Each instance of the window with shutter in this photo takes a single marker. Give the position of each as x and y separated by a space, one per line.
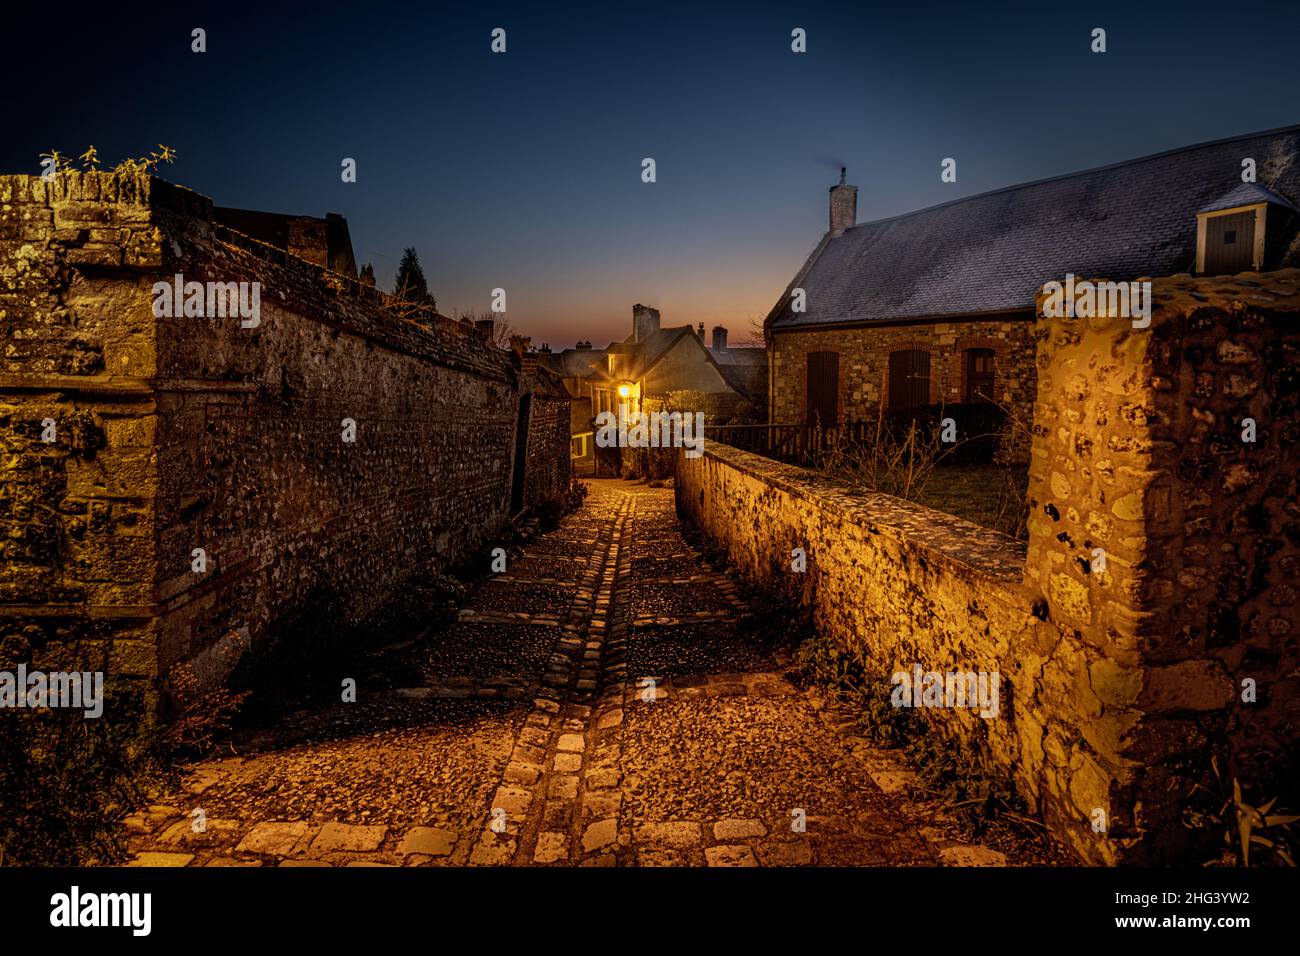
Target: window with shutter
979 375
824 388
909 379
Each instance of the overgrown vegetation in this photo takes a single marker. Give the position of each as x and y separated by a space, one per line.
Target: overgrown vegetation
657 464
964 779
1246 833
973 476
57 162
66 780
551 510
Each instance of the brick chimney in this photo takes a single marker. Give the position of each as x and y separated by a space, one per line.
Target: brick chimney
719 338
645 322
700 332
844 205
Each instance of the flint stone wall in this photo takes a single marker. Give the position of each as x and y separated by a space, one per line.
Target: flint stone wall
1117 685
184 433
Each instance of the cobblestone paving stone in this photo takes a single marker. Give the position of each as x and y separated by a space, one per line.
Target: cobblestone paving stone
597 704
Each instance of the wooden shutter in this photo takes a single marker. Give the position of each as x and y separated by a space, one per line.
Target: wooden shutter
1230 243
979 375
909 379
824 388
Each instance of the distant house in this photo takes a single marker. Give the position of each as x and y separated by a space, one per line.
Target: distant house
325 242
937 306
652 363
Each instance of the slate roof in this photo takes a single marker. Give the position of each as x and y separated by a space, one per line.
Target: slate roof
990 253
740 355
572 363
651 348
1247 194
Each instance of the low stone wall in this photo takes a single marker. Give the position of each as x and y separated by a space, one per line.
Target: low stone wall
1159 573
319 458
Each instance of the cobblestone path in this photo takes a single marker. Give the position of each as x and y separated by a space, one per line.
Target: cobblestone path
595 705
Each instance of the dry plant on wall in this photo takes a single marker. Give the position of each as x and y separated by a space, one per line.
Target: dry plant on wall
1015 436
502 330
60 163
403 306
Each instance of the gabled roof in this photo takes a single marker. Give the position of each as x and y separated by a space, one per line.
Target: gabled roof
990 253
747 380
1247 194
572 363
742 355
648 352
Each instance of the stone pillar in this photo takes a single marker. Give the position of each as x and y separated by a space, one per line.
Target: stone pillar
1167 546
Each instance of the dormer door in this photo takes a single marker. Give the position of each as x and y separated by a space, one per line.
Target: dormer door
1230 243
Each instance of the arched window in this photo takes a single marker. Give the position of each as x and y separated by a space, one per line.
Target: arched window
909 379
979 375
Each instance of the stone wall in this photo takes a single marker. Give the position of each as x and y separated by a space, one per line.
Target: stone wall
175 434
864 364
1119 680
1139 451
548 468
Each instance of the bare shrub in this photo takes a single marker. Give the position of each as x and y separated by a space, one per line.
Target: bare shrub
881 460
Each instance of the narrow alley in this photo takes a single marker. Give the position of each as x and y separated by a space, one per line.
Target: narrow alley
599 703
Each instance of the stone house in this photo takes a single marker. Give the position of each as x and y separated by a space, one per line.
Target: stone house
936 307
650 365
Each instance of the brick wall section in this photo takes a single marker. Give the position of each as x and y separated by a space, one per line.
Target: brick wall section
864 364
1117 686
189 432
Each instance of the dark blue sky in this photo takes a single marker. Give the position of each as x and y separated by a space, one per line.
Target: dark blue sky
522 170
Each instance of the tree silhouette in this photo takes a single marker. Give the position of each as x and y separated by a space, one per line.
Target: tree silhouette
409 284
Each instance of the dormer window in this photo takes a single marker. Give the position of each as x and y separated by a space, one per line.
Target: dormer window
1230 233
1228 243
